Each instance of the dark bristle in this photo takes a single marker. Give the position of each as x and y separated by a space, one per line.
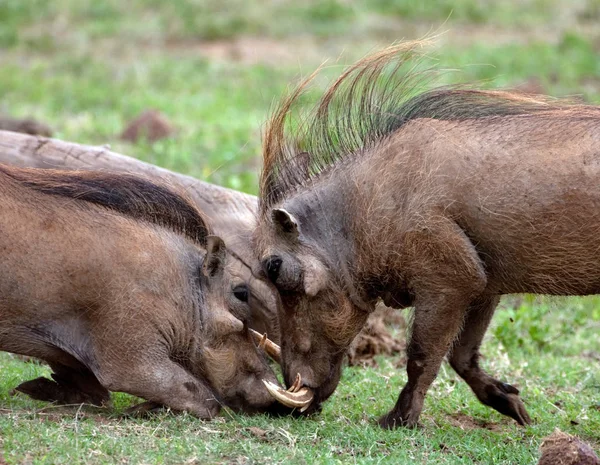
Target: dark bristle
127 194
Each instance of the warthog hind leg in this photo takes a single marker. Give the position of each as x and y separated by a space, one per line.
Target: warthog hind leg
68 386
465 361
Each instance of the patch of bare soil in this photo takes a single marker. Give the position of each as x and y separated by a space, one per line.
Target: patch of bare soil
373 32
56 413
467 423
252 50
563 449
150 125
376 338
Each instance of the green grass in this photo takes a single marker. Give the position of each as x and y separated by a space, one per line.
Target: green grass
86 68
559 380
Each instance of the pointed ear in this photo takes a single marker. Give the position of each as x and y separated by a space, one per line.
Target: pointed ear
315 277
214 262
284 221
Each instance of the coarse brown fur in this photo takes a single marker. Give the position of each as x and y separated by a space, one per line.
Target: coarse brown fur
115 282
442 199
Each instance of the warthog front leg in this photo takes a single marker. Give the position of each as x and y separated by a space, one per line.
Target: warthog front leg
164 382
445 275
465 361
436 325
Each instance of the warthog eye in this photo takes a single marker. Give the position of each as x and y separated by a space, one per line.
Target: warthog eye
241 292
272 266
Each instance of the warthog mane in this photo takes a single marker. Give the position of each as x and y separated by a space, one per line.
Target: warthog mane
127 194
369 101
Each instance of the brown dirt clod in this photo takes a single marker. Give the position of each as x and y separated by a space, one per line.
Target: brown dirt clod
150 125
467 423
257 432
25 126
563 449
376 338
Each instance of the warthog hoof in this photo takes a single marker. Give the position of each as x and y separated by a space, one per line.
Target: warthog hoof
393 420
505 399
50 391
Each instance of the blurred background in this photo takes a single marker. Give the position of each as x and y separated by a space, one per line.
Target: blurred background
210 70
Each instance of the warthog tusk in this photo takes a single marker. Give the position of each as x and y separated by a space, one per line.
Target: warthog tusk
300 398
264 343
297 384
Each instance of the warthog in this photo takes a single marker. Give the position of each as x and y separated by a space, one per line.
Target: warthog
116 282
231 214
443 200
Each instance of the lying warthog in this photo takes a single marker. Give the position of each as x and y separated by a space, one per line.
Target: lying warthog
117 284
443 200
231 214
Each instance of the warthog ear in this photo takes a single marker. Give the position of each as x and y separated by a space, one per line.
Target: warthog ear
214 263
315 276
284 221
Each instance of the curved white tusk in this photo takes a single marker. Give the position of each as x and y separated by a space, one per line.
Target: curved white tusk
297 384
300 399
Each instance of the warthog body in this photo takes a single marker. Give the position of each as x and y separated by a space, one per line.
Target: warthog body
444 201
231 214
115 282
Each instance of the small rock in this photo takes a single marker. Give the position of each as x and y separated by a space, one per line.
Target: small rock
258 432
563 449
150 125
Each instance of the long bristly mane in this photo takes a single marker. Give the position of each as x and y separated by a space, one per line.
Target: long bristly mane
370 100
130 195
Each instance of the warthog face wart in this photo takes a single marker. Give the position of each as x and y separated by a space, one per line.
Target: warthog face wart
229 358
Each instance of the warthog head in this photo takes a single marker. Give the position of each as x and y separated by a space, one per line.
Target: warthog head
318 320
229 357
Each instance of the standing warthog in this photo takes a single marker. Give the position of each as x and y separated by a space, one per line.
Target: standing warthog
117 284
443 200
